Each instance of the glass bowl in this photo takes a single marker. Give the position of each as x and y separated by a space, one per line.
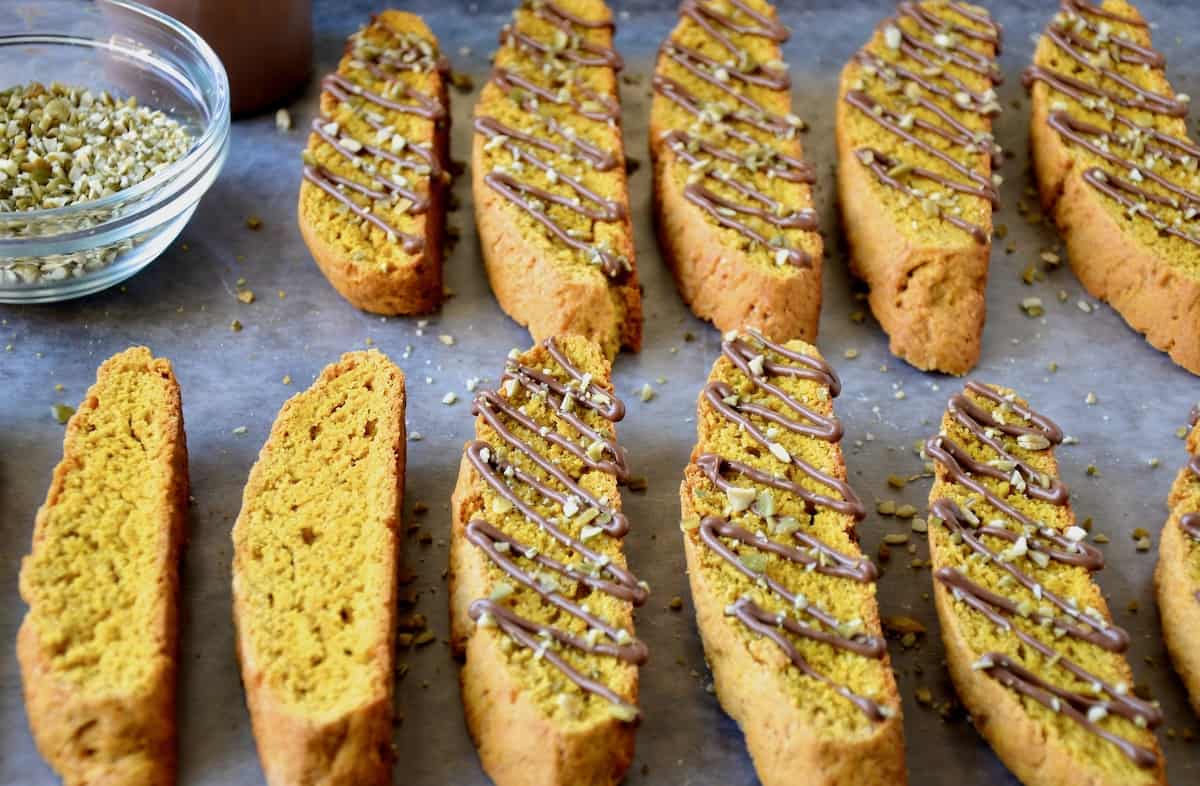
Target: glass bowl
128 50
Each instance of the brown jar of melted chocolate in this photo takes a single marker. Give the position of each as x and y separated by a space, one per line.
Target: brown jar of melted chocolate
266 45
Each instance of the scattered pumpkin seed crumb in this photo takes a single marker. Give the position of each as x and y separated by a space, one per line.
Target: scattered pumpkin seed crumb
61 412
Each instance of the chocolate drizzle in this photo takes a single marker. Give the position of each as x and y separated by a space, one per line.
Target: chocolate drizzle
1038 543
541 573
550 81
932 44
1082 34
395 189
761 360
713 149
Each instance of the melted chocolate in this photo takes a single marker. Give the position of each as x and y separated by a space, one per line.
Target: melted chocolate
563 141
1083 41
883 168
575 48
702 154
1054 612
367 157
594 570
1073 704
746 353
933 43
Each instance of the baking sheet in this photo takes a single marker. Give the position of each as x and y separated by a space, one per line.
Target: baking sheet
182 307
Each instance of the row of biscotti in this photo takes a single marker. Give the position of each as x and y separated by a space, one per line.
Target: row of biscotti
542 600
733 195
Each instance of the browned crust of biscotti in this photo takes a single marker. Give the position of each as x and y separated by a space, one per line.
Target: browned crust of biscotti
785 749
353 749
116 740
1178 604
1152 296
416 286
720 283
517 744
548 298
929 300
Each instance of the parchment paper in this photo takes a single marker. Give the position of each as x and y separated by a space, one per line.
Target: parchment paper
182 307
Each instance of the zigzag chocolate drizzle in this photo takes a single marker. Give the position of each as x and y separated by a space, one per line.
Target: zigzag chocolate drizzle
414 55
751 354
594 570
552 84
931 47
706 147
1082 33
1040 544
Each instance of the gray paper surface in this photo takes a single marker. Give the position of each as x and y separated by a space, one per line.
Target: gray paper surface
183 304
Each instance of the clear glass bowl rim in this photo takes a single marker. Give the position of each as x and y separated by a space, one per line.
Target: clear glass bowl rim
215 132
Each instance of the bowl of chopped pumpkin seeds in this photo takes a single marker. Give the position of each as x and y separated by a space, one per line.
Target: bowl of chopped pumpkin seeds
114 122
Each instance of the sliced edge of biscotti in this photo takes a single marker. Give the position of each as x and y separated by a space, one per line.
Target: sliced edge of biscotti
372 205
733 200
549 181
316 547
541 599
1177 576
915 179
1030 643
785 599
1120 180
98 655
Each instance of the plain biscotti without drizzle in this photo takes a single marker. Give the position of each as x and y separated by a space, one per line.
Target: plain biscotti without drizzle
1177 577
548 175
541 603
1117 171
373 198
1030 643
915 177
98 648
785 600
314 578
732 193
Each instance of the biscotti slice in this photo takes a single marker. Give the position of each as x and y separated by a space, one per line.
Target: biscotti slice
785 600
373 198
1030 643
1117 170
915 181
314 578
98 647
541 602
732 193
1177 577
548 174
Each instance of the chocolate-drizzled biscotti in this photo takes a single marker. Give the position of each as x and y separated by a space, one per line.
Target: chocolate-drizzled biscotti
98 647
316 548
1030 643
915 176
785 600
373 198
732 193
1117 170
541 602
1177 577
548 173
